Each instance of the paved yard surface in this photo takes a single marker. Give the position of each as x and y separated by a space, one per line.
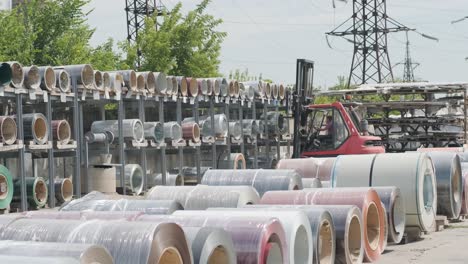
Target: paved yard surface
447 246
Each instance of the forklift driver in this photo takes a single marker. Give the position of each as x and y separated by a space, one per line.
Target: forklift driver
328 127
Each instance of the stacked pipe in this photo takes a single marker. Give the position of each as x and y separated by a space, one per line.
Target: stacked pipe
261 180
201 197
366 199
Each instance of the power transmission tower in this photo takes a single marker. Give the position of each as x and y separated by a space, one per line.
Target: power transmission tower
137 11
369 29
408 64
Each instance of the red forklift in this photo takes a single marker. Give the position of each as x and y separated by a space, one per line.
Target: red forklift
327 130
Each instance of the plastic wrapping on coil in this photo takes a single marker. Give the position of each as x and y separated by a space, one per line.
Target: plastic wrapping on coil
211 245
6 187
37 260
395 209
201 197
146 206
126 242
133 129
84 215
84 253
311 183
261 180
321 224
235 130
274 122
250 128
366 199
252 236
172 131
295 223
310 167
414 175
154 131
449 183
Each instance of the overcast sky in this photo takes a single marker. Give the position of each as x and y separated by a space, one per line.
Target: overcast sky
267 36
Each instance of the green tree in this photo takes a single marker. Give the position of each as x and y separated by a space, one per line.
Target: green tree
52 32
186 45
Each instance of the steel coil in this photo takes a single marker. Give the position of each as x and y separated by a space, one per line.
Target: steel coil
130 81
98 81
32 77
250 128
464 207
107 137
236 161
216 86
192 87
48 79
132 128
274 90
259 239
261 180
36 191
84 74
150 81
310 167
84 253
205 127
141 83
154 131
210 83
257 88
449 183
414 175
61 131
223 87
202 86
247 92
17 74
172 131
321 224
63 190
6 73
171 179
133 178
201 197
182 86
6 187
220 124
267 90
126 242
295 223
211 245
281 92
232 88
191 131
8 130
35 128
366 199
160 83
83 215
191 174
235 130
394 205
106 81
63 81
117 82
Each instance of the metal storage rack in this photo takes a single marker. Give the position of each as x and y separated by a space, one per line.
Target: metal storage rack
403 100
81 108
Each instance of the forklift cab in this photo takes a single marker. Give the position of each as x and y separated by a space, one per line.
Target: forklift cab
325 129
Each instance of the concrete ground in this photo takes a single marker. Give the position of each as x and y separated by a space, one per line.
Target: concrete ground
447 246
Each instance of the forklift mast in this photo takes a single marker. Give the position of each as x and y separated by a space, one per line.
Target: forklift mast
302 97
